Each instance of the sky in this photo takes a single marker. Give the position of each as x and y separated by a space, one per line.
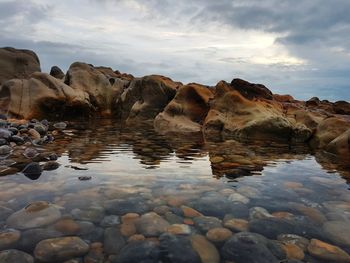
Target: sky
293 47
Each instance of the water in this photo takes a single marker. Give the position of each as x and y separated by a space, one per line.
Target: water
133 170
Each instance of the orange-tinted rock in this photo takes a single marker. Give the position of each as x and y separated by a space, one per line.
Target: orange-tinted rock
128 229
218 235
187 111
67 226
144 98
327 251
17 64
190 212
340 145
293 251
283 98
251 90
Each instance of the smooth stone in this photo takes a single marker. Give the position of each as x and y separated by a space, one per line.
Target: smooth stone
93 214
5 133
40 128
253 248
5 212
136 237
179 229
111 220
130 217
34 134
8 238
15 256
59 249
161 210
138 252
218 235
327 252
17 139
60 125
293 251
128 229
236 197
299 241
173 219
35 215
190 212
5 150
216 159
205 223
258 213
32 169
50 165
31 237
113 241
151 225
237 225
177 249
206 250
67 227
249 191
130 205
338 232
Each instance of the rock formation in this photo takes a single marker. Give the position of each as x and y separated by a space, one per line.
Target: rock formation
239 109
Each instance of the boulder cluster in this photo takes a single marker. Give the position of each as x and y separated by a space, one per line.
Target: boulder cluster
239 109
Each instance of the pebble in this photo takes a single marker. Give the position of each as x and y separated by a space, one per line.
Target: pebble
151 225
327 252
136 237
60 125
236 197
237 225
32 169
338 232
128 229
36 214
14 256
5 150
8 238
59 249
113 240
206 250
67 226
179 229
258 213
93 214
299 241
111 220
139 251
293 251
50 166
218 235
205 223
190 212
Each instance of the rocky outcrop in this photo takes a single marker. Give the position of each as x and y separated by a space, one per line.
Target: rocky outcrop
56 72
260 117
187 111
144 98
17 63
42 96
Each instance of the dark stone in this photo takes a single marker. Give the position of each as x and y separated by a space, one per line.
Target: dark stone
138 252
31 237
56 72
131 205
204 223
271 227
250 90
95 235
51 165
17 139
3 141
32 170
253 248
14 256
113 240
177 249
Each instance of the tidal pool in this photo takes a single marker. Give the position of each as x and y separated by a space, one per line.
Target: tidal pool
132 195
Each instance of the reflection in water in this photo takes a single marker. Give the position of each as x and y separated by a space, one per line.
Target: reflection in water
267 189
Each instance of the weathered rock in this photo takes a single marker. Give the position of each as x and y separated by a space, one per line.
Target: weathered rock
327 252
187 111
144 98
250 90
43 96
137 252
17 63
254 248
113 241
56 72
151 225
342 107
206 250
232 114
340 145
5 212
60 249
35 215
13 255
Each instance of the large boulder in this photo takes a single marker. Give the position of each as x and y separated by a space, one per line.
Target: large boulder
17 63
101 89
233 114
144 98
187 111
42 96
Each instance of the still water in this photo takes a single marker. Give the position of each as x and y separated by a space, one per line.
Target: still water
132 195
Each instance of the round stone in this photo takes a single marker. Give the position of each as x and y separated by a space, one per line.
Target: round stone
206 250
35 215
218 235
5 150
327 252
237 225
151 224
190 212
60 249
338 232
8 238
14 256
179 229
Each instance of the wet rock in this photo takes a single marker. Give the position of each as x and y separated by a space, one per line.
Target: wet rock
237 225
50 166
327 252
5 212
218 235
8 238
67 227
338 232
205 223
113 241
250 247
128 229
130 205
32 169
13 255
93 214
258 213
137 252
30 153
17 139
299 241
161 210
236 197
136 237
293 251
31 237
59 249
40 128
173 219
111 220
151 225
5 150
179 229
85 178
177 249
34 215
190 212
206 250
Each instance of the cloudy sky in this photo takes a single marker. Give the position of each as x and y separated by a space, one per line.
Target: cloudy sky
292 46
